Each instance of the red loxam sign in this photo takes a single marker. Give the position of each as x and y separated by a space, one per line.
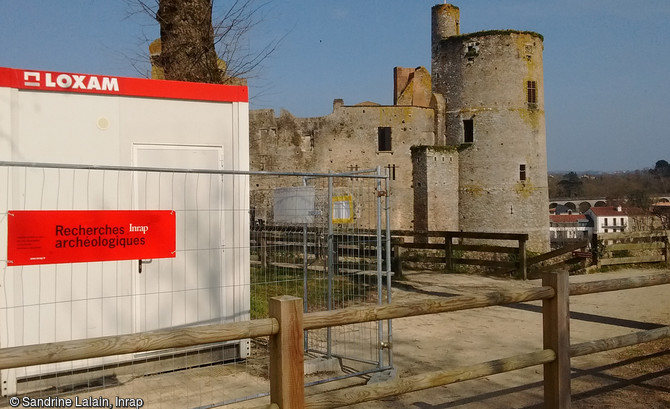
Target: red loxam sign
123 86
72 236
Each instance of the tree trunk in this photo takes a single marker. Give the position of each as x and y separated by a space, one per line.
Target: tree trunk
187 41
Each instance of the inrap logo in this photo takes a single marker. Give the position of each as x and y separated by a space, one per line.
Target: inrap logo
70 81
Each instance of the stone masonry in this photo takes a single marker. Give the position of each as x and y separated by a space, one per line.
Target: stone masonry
466 142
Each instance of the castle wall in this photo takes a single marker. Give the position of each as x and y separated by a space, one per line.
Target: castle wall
343 141
486 168
435 188
503 169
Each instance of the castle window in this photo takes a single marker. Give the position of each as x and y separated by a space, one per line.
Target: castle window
471 51
528 48
384 139
522 172
391 170
307 141
468 131
532 93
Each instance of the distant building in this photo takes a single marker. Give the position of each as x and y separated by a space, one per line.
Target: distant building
608 219
562 209
567 228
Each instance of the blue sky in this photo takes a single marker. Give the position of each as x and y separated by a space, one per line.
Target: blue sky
606 62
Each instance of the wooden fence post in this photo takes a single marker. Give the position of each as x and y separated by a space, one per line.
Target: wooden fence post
448 243
556 335
396 256
595 256
666 252
523 270
287 385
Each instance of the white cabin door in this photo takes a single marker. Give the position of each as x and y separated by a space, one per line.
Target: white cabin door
186 289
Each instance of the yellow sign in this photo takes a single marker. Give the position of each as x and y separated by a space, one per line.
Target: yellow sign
343 209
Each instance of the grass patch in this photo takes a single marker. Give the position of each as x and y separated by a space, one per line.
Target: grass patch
275 281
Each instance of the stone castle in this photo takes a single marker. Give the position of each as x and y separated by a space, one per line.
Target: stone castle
465 144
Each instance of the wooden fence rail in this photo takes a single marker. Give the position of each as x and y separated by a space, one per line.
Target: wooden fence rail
500 251
628 283
605 249
176 338
631 247
354 315
555 259
601 345
287 323
271 245
366 393
477 242
54 352
506 251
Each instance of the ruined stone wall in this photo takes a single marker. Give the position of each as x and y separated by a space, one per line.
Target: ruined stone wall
435 188
343 141
485 123
412 86
484 78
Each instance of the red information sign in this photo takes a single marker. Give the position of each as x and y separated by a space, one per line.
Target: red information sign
72 236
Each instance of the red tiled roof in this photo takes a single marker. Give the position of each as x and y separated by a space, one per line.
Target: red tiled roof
608 211
567 218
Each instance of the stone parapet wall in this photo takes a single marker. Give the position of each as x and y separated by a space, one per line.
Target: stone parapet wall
343 141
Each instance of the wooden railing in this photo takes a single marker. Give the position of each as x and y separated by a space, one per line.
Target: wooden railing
630 248
495 244
562 258
361 247
606 249
281 244
499 251
287 323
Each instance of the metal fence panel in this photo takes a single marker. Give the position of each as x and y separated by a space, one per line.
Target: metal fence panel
206 282
324 249
314 236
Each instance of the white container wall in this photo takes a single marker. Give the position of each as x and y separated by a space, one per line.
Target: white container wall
77 119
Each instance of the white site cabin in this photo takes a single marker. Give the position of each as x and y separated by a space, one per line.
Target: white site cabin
48 117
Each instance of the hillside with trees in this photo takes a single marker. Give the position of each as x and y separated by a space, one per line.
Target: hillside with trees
636 188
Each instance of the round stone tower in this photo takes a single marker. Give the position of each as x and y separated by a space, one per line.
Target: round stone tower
444 23
493 85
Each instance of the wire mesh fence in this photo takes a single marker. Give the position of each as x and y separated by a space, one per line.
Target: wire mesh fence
318 237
